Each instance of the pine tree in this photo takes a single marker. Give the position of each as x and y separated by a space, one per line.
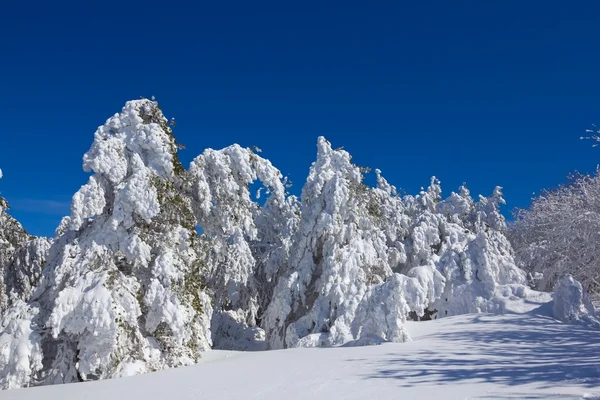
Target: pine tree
336 254
123 289
245 245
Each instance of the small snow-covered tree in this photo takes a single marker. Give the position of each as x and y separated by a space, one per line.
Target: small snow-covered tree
572 304
20 340
475 256
464 241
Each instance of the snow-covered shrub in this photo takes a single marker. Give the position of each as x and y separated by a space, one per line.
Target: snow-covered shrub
572 304
20 348
386 307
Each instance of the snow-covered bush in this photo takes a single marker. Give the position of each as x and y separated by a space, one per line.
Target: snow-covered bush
20 347
386 307
572 304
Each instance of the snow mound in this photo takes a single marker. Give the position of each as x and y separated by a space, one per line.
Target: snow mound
572 304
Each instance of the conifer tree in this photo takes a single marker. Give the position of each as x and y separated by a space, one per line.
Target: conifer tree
123 291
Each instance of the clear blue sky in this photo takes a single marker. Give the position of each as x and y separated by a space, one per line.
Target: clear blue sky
488 93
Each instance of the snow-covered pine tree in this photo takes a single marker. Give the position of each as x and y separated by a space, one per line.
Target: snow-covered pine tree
245 245
337 253
12 235
474 255
122 292
390 216
21 259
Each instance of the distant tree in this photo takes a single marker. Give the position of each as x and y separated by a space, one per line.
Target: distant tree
560 234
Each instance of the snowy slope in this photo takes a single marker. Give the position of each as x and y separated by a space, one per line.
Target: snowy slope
475 356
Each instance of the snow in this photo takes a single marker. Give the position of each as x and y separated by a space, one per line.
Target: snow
476 356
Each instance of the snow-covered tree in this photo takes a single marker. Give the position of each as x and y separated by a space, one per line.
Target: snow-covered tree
464 242
122 291
21 259
337 253
20 340
473 255
24 270
12 235
245 245
364 259
560 234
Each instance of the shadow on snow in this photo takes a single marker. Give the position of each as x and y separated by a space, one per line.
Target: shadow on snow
525 349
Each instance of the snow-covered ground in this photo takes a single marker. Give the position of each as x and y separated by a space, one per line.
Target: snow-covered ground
475 356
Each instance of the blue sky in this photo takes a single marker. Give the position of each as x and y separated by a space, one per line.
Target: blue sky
488 93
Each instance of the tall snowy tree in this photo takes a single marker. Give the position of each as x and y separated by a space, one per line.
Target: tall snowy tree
122 291
337 252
